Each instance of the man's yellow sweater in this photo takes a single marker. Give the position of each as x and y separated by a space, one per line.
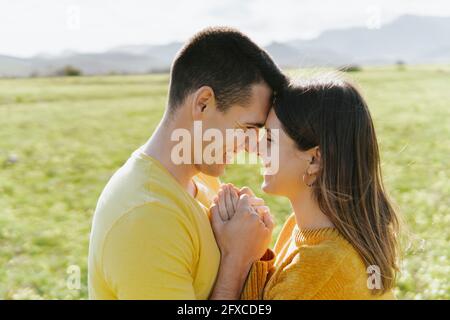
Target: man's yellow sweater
309 264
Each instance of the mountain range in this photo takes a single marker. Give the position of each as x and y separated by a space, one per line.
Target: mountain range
410 39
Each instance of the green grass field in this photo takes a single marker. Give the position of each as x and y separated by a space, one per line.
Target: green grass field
62 138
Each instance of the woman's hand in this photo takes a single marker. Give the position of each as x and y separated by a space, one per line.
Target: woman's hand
227 197
241 233
242 236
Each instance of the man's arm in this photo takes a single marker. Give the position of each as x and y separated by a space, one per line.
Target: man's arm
148 254
242 240
151 256
231 278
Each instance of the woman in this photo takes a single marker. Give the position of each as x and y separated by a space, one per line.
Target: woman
341 240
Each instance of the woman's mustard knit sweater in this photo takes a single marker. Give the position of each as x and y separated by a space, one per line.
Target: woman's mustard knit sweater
310 264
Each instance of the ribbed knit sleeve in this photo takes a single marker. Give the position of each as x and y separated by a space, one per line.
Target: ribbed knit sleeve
258 276
322 265
313 273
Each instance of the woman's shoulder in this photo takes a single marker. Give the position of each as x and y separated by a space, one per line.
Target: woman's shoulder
316 267
329 254
322 244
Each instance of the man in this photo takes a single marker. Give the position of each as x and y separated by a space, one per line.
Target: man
151 237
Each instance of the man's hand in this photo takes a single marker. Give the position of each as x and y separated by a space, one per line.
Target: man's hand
242 240
245 236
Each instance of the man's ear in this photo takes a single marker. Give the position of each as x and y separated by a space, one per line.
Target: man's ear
203 101
316 160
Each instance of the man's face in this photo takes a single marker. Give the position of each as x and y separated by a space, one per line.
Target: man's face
250 116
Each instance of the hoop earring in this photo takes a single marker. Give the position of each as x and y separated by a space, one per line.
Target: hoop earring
309 175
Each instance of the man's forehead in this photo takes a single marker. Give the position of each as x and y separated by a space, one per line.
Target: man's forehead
263 100
256 116
261 90
255 111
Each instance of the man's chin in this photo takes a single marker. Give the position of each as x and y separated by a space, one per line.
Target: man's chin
214 170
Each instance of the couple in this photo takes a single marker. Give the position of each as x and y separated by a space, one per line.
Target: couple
163 230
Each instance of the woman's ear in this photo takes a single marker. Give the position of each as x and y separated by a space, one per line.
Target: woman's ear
316 160
202 100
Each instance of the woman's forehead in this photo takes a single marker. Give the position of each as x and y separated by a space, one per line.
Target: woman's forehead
272 121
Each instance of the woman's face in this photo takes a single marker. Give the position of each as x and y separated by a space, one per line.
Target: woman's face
293 163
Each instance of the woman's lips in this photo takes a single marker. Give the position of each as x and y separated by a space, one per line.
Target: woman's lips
266 170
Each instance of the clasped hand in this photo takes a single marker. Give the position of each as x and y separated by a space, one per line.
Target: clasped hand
242 224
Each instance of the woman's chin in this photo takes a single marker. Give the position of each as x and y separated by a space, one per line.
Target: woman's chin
267 185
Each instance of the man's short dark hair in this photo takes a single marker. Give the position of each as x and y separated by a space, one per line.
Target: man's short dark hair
227 61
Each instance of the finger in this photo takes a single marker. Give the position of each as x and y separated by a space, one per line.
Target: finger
243 204
216 219
247 191
222 187
228 202
262 210
234 198
268 221
233 187
222 206
253 211
234 195
255 201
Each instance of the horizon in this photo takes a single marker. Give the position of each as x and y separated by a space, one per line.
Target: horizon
69 51
85 27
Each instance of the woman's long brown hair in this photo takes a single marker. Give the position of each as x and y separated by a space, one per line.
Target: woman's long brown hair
332 114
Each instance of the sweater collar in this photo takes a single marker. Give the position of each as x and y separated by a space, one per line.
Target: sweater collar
313 236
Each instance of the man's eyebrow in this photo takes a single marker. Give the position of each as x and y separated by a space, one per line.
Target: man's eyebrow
254 124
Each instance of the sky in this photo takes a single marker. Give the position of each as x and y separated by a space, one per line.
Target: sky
30 27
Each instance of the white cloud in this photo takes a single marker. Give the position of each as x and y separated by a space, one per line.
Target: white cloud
28 27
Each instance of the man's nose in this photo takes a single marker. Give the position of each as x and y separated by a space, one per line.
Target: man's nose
251 146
